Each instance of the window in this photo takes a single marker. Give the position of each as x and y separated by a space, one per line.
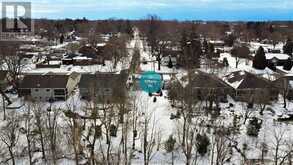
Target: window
48 90
60 98
107 91
36 90
59 92
25 92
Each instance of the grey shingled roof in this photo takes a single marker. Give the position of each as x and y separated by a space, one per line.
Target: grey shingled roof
205 80
102 80
247 80
44 81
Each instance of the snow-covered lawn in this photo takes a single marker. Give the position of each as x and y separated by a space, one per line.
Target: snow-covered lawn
157 113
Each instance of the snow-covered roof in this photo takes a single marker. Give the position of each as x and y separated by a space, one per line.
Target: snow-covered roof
243 79
81 58
216 42
101 44
279 56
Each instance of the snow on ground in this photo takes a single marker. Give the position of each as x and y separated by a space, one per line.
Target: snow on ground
160 111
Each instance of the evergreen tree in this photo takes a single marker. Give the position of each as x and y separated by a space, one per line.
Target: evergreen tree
61 39
288 64
253 127
272 66
170 144
225 62
191 50
288 47
183 40
195 52
129 28
170 64
205 46
229 40
211 50
202 144
259 61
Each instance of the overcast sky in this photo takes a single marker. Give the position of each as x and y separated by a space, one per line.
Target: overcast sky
166 9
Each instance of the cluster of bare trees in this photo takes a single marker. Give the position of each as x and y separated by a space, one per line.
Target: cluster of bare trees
31 131
105 133
116 48
12 62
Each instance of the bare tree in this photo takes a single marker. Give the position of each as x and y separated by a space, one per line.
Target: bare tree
29 130
190 132
13 63
240 52
220 143
284 86
73 47
287 158
74 137
135 103
150 137
246 112
278 142
52 128
158 37
40 126
116 48
126 125
262 98
9 135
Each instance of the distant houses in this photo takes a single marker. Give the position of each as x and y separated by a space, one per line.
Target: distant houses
277 59
49 86
86 55
170 55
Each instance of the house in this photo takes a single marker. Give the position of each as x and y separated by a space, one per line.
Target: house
49 64
68 59
247 85
49 86
88 51
73 59
285 84
91 54
203 84
274 50
80 59
217 43
277 59
168 55
105 87
71 36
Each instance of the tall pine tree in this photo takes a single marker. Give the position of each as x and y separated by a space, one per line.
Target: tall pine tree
259 61
288 47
